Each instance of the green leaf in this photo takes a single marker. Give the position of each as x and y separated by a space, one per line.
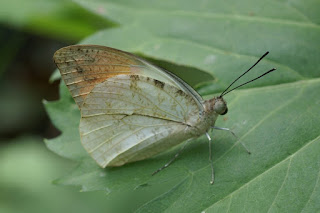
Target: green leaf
65 116
277 117
221 38
52 18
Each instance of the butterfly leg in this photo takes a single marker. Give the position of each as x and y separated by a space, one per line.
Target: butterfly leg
210 158
173 159
227 129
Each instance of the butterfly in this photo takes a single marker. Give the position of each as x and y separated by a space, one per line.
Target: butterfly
132 110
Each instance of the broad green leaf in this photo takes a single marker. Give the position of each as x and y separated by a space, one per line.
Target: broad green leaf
60 109
222 38
277 117
279 124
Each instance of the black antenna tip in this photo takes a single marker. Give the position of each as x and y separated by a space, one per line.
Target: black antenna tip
264 55
273 69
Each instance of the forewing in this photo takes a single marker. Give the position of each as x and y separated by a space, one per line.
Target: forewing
126 115
84 66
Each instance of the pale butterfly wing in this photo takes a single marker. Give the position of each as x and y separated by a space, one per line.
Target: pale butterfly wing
129 117
130 109
84 66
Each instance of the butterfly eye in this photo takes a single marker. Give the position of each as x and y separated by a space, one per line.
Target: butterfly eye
220 106
225 112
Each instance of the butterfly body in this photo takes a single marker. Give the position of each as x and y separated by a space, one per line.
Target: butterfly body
130 110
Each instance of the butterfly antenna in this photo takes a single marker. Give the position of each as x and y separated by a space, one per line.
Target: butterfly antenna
273 69
264 55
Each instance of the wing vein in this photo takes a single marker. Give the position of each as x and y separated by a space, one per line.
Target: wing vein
184 110
147 100
120 140
105 133
140 141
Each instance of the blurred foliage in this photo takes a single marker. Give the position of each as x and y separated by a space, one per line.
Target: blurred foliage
8 49
61 19
25 69
27 170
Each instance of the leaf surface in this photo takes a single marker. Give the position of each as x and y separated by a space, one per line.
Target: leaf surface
277 117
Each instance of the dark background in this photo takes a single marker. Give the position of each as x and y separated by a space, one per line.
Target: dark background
25 83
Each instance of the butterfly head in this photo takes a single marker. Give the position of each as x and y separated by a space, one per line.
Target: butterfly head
216 105
220 106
